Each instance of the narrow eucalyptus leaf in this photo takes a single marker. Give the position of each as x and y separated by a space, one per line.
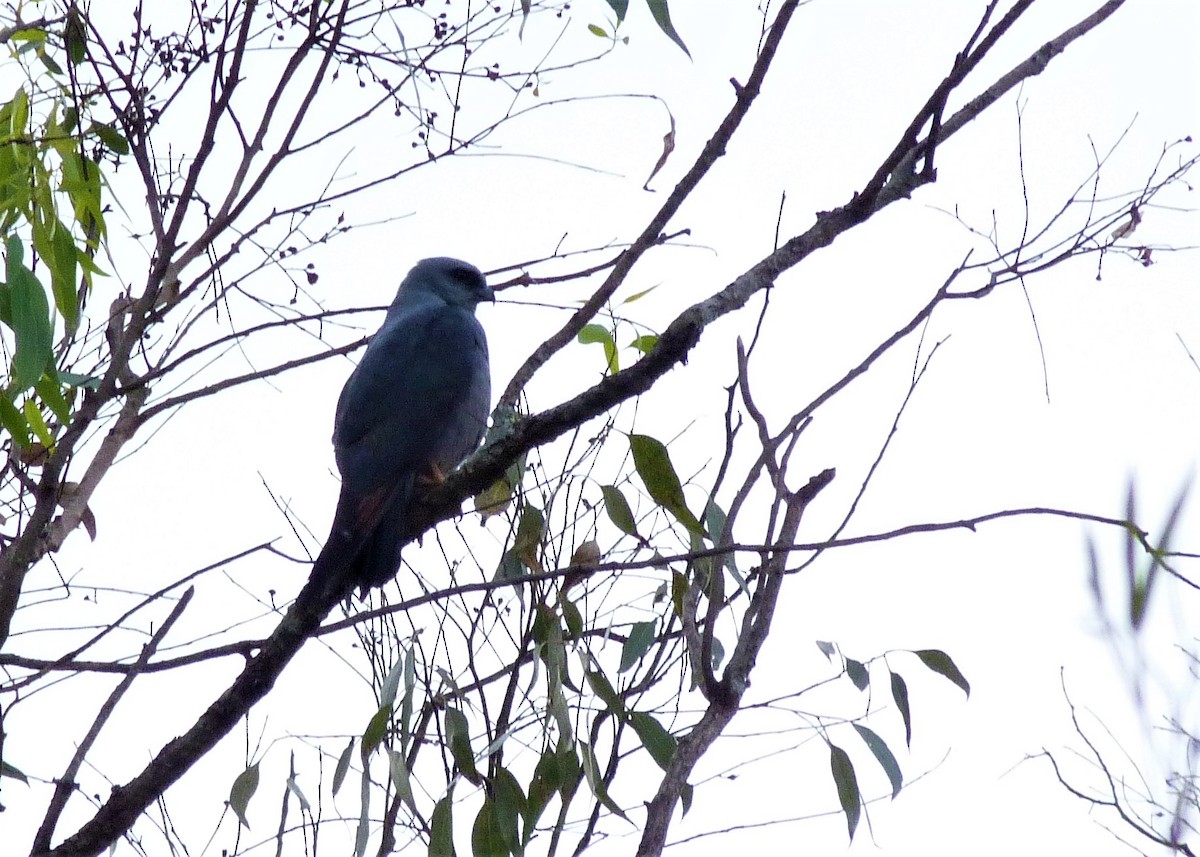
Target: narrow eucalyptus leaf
243 788
847 787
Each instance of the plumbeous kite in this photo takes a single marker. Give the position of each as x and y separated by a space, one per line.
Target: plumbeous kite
415 407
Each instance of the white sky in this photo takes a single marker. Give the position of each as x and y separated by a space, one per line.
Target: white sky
1009 602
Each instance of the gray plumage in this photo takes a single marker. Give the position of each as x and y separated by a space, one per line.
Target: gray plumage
413 409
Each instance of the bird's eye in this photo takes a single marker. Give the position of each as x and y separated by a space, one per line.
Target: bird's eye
466 277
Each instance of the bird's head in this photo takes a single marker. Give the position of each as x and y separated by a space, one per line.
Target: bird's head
453 280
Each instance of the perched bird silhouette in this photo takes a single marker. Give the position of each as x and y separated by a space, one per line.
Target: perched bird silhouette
413 409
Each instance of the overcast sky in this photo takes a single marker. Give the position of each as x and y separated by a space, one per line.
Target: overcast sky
1009 602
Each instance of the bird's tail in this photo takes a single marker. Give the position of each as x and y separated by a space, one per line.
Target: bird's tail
379 558
363 547
336 557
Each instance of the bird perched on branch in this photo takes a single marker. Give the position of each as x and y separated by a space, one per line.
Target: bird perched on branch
413 409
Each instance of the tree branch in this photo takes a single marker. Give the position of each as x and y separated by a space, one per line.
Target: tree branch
721 709
712 151
66 785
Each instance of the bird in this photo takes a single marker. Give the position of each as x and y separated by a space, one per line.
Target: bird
415 406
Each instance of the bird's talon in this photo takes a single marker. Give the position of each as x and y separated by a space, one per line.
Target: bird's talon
432 476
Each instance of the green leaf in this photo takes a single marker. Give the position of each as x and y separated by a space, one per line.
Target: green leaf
375 730
941 663
61 261
343 765
391 683
714 524
662 17
510 567
87 382
618 510
572 617
7 770
858 673
847 787
530 530
441 828
620 7
645 344
13 420
406 705
30 319
51 393
595 780
458 737
603 688
595 333
659 743
34 416
597 31
653 464
398 769
900 695
679 591
362 833
641 635
75 34
81 183
28 34
111 138
242 790
487 836
494 499
570 772
510 808
557 772
18 117
48 62
89 268
544 622
639 295
556 668
884 756
714 521
546 781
